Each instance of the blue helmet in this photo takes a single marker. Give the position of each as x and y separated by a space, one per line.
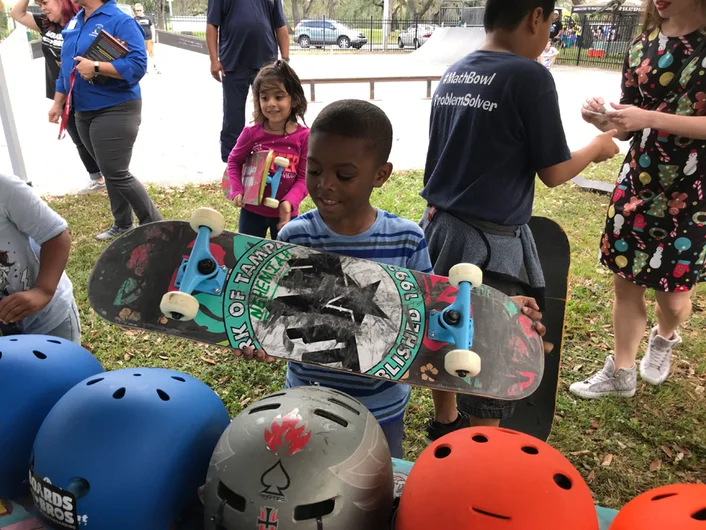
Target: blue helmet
126 450
35 371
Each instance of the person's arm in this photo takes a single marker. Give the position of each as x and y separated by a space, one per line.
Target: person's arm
19 14
214 20
53 257
600 149
35 219
280 23
236 159
636 119
283 40
130 68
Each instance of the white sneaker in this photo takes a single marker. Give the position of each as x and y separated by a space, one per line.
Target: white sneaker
607 382
655 365
93 185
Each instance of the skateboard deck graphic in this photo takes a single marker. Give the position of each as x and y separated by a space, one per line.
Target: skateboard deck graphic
317 308
535 414
255 171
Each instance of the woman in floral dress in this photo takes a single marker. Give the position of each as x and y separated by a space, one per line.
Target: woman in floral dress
655 232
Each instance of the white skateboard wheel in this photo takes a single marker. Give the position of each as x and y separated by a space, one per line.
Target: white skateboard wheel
209 218
270 202
465 272
462 363
179 306
280 161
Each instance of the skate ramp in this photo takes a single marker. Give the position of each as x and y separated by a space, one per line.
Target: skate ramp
448 45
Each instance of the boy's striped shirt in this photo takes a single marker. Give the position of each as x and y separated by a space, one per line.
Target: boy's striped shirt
390 240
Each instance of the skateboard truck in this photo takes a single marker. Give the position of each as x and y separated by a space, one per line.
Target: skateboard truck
200 271
274 180
455 325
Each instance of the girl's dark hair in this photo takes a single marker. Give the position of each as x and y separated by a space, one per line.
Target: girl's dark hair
268 77
651 19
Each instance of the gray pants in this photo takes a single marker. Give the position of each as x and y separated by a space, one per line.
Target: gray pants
70 328
109 135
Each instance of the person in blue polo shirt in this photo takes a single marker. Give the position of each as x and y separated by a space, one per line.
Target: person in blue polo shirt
242 37
107 102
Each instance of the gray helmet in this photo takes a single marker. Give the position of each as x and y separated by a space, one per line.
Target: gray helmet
303 458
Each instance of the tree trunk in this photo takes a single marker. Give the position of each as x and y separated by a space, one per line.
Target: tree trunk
295 16
412 9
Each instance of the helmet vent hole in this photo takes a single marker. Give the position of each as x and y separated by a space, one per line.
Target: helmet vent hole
14 340
163 395
479 438
0 355
94 381
119 393
700 515
179 379
54 341
79 487
263 408
331 416
39 355
344 405
664 496
442 451
232 499
136 375
530 450
563 481
306 512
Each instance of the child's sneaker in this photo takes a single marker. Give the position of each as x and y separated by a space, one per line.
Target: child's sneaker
654 367
608 382
436 430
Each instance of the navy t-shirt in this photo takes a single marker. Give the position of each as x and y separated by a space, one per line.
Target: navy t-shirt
246 36
495 123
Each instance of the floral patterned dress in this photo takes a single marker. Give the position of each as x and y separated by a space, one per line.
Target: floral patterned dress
655 231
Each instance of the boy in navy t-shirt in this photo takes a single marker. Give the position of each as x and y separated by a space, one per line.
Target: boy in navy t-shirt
495 125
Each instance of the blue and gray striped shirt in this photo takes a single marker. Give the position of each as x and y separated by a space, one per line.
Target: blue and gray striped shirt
390 240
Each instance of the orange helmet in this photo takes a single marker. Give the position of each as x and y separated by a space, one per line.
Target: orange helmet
675 507
486 478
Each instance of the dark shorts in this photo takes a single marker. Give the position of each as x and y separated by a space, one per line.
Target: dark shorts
450 243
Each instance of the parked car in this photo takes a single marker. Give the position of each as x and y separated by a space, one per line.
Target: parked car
415 35
322 32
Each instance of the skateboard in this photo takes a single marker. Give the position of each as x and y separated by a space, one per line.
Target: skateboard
195 281
256 176
593 185
534 415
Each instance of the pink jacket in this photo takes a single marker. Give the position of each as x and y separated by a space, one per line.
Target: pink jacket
293 146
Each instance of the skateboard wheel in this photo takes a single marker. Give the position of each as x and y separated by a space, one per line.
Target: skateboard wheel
270 202
209 218
179 306
466 272
462 363
280 161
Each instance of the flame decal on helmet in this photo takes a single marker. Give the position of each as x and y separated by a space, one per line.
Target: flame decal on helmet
283 432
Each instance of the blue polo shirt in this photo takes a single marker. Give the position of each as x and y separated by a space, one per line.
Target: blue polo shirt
246 32
78 36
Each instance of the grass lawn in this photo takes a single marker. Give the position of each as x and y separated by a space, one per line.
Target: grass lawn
622 447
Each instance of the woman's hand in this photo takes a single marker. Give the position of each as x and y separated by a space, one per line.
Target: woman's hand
85 68
629 117
593 112
55 113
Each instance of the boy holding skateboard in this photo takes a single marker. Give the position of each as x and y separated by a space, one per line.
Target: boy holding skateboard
489 119
349 145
